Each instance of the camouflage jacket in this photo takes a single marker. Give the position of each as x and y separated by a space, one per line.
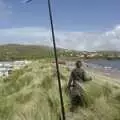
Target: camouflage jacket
78 74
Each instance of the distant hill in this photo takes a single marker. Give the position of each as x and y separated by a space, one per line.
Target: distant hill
17 51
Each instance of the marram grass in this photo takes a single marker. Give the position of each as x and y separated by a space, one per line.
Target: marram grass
32 94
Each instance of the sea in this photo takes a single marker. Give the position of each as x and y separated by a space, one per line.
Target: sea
109 68
113 64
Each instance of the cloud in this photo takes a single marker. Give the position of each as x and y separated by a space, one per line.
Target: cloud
109 40
4 10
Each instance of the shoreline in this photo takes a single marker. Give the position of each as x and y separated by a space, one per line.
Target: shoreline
105 71
113 74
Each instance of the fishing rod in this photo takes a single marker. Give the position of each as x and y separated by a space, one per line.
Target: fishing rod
56 58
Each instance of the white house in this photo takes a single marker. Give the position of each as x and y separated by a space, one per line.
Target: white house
3 72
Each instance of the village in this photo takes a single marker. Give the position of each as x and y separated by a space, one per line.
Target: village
7 67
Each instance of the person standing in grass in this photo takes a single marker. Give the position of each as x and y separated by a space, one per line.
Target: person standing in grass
78 76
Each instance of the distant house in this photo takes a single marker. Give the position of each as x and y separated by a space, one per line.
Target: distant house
18 64
6 68
1 65
3 72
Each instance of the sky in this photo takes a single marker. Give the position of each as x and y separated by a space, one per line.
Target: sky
79 24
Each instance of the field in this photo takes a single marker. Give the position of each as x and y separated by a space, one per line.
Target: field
32 94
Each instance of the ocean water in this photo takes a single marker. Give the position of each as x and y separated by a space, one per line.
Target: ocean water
114 64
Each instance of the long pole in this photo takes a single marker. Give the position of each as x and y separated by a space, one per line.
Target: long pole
56 60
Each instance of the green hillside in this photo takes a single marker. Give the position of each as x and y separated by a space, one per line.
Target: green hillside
16 51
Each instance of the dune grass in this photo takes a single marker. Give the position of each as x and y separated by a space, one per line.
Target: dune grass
32 94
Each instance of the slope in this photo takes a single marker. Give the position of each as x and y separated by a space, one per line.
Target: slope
32 94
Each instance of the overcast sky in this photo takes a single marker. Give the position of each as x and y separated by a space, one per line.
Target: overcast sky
79 24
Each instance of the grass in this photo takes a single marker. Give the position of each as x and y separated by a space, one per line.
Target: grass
32 94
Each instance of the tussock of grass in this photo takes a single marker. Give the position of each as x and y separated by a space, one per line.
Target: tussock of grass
47 82
32 94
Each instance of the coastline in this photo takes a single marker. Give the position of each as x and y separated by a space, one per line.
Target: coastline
105 74
113 73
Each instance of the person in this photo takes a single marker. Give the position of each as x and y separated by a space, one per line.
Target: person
76 92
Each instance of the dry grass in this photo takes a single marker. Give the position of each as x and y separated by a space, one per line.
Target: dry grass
32 94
